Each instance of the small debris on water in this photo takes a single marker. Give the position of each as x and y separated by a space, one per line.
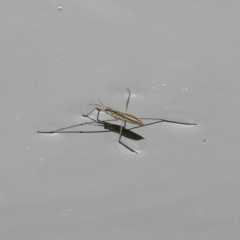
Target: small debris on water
60 8
164 85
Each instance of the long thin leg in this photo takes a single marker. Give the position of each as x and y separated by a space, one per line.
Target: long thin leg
87 116
127 102
145 125
164 120
119 140
80 131
99 122
98 115
63 128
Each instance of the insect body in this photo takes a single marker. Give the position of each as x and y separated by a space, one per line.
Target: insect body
124 116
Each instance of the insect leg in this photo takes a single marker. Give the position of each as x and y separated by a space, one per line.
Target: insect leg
98 115
86 115
146 124
164 120
127 102
119 140
63 128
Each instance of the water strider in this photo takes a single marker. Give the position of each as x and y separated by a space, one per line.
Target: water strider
120 129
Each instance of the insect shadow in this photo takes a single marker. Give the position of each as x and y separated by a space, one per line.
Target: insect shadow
124 117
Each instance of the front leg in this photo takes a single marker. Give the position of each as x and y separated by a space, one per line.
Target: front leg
119 140
84 115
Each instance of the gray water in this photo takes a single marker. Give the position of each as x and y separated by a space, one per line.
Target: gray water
180 59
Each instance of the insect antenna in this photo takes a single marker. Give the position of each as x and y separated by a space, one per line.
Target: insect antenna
102 103
95 104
